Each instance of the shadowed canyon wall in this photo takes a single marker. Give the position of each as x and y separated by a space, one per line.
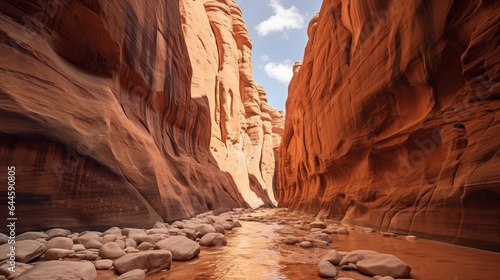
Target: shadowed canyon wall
393 119
120 113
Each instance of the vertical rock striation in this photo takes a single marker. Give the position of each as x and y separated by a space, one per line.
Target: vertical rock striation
393 118
220 52
110 118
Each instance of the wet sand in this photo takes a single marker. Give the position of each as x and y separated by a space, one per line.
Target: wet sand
256 251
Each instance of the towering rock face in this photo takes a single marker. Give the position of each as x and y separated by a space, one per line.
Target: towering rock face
109 119
393 119
278 125
220 52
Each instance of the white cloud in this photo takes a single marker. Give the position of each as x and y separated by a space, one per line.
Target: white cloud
264 58
281 71
282 19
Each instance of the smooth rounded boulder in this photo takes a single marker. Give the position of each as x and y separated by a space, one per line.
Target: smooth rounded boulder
291 240
111 250
332 256
152 261
56 253
213 239
327 269
51 270
385 265
182 248
26 250
317 224
136 274
203 229
357 255
60 243
103 264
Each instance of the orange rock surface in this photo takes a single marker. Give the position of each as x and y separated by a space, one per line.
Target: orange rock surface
393 119
110 118
241 136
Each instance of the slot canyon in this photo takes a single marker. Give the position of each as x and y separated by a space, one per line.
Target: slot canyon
137 143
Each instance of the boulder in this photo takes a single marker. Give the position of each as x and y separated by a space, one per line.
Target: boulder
357 255
144 246
111 250
151 261
103 264
108 238
86 237
333 257
26 250
60 243
317 224
9 274
136 274
56 253
51 270
385 265
152 238
203 229
327 269
213 239
31 235
182 248
291 240
306 244
57 232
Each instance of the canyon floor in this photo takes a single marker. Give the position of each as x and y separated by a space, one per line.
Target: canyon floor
256 251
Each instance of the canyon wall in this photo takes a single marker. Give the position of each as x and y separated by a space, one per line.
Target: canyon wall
241 136
117 113
393 117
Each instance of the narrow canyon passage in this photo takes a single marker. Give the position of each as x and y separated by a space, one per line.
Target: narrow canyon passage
131 130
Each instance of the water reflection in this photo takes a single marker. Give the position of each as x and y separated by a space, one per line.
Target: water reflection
255 251
252 251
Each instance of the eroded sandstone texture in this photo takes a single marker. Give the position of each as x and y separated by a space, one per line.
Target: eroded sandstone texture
241 138
111 119
393 119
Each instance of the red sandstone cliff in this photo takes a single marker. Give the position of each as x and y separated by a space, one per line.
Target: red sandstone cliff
393 119
241 139
110 118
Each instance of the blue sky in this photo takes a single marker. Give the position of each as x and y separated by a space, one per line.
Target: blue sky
278 29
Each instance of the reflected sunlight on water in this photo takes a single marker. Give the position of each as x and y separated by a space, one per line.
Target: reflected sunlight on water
256 251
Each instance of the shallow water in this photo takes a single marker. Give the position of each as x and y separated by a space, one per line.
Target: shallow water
255 251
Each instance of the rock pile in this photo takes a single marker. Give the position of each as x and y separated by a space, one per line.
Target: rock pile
365 261
131 251
317 234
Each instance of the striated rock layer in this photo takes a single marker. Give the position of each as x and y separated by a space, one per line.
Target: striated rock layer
241 136
110 118
393 119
